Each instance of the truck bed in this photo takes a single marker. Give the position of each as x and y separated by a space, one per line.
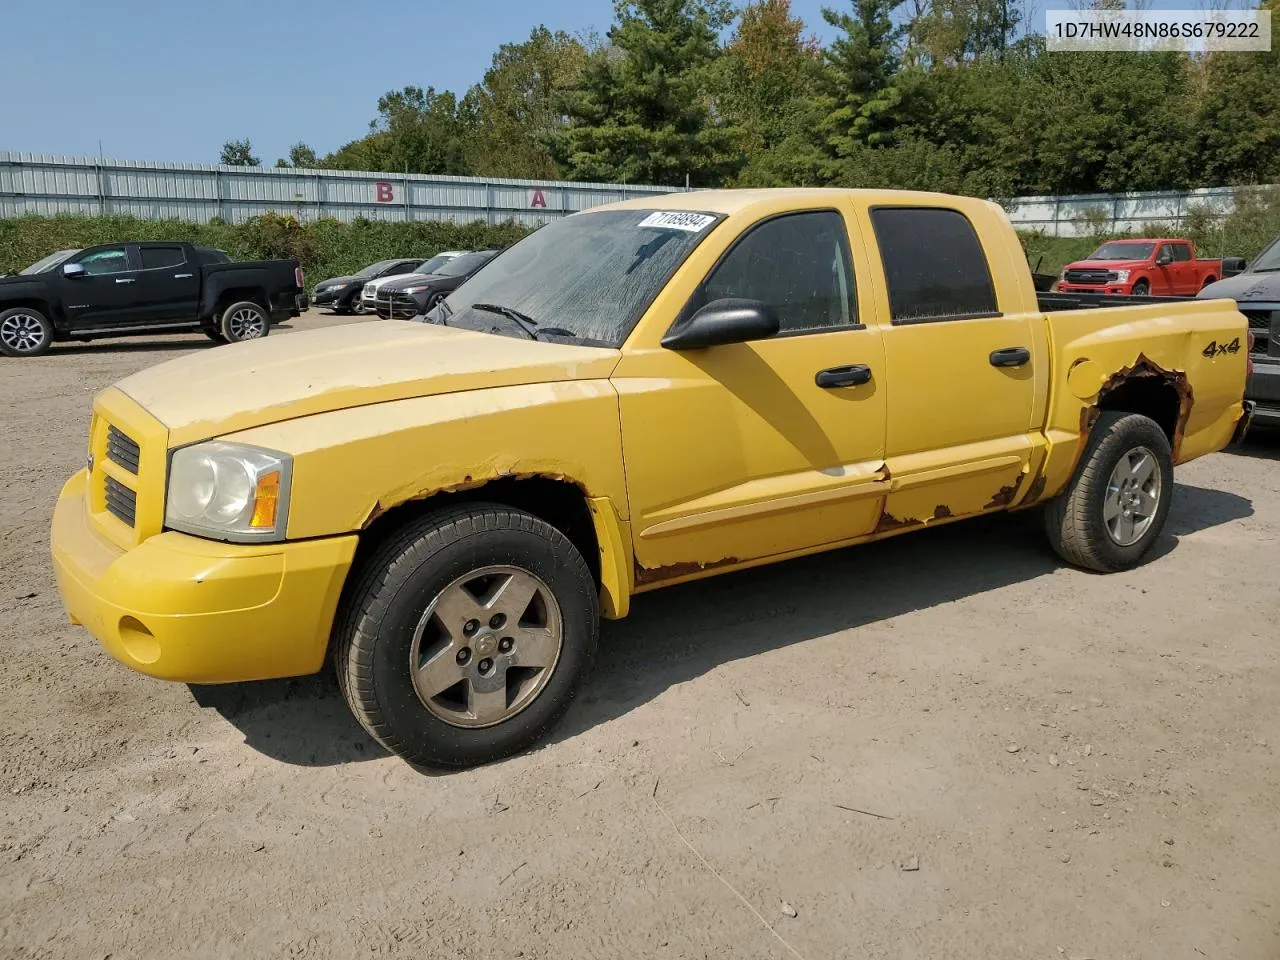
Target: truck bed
1052 302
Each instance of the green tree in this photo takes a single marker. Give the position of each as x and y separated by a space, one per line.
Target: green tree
765 87
861 94
1238 117
239 153
300 155
522 102
642 111
418 131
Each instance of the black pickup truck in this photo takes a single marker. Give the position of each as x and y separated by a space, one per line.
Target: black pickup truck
130 289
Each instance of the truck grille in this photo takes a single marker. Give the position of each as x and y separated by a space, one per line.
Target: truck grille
1260 324
122 449
1089 276
122 503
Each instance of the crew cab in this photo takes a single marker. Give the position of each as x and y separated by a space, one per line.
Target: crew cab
134 289
1256 291
642 394
1141 268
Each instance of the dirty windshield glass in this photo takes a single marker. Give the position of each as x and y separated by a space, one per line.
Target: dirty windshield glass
52 260
1122 251
1269 259
588 276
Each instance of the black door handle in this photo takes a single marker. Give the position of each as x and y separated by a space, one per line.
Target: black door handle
1010 357
853 375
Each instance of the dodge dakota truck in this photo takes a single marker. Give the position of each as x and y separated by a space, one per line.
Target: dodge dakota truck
1140 268
638 395
132 289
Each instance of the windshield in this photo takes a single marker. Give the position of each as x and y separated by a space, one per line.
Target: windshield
434 264
461 266
1122 251
373 269
49 262
1269 259
591 274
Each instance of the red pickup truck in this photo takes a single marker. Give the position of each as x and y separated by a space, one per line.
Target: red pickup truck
1142 268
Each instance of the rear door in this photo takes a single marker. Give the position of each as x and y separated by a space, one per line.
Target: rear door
168 284
105 295
961 375
1184 270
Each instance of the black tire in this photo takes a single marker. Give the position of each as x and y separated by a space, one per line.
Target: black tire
24 332
400 581
1075 521
356 306
1141 289
236 325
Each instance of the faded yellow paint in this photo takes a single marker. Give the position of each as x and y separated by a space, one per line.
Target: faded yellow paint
690 462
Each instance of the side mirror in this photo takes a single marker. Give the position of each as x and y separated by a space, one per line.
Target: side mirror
1164 259
724 321
73 270
1231 266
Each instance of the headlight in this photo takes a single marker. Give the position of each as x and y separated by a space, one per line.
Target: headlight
416 289
229 491
1063 276
1122 276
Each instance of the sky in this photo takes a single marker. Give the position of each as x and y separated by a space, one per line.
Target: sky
172 80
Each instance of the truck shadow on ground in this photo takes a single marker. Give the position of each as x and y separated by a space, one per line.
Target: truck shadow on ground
678 634
139 346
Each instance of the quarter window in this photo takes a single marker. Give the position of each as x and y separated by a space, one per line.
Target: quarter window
154 258
934 265
798 264
111 260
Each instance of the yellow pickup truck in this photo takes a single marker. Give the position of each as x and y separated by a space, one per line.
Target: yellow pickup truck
634 396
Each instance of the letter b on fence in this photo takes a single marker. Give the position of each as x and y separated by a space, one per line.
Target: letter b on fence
383 192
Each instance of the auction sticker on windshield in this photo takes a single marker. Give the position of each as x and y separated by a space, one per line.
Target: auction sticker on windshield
678 220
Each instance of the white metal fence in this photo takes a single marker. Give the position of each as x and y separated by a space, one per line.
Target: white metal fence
44 184
48 185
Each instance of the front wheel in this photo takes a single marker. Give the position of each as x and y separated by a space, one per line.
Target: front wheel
466 636
24 332
244 321
1141 288
1116 503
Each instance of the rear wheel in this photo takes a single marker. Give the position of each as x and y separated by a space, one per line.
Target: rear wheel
1116 503
1207 281
24 332
467 635
245 320
1141 289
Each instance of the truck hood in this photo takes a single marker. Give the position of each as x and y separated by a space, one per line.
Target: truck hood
1245 288
225 389
1107 264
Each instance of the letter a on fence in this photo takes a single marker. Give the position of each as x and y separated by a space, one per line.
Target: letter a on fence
536 199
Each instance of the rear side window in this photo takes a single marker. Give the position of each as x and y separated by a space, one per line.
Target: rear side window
1181 251
798 264
154 258
933 264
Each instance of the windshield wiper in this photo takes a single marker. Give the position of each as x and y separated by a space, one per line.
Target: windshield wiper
525 322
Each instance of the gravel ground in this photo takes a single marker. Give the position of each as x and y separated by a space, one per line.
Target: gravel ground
948 745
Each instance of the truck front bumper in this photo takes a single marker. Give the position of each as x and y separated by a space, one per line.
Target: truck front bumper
1264 390
199 611
1109 289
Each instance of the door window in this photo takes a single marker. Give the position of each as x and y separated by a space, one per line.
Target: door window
1181 251
155 258
100 262
799 264
934 265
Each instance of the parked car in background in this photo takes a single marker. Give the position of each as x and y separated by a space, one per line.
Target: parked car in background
634 396
416 294
129 289
369 294
1256 292
342 294
1142 268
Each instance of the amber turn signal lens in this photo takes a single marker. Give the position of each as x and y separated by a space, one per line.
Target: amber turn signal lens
266 499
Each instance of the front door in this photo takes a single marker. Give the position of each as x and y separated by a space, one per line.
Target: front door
168 286
745 451
963 373
106 294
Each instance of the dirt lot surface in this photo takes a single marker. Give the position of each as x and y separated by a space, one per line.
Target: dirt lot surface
943 746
